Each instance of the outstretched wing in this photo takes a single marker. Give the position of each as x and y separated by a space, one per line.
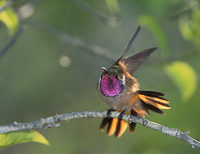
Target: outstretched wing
134 61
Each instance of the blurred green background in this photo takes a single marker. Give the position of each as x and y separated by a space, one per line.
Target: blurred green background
40 75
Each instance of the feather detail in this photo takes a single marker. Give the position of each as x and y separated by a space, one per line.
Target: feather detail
152 108
104 122
161 104
118 126
112 127
134 61
146 110
154 95
151 93
158 100
132 127
121 127
129 44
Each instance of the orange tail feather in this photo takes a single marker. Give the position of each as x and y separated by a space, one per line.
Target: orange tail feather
121 127
153 101
112 127
149 101
117 126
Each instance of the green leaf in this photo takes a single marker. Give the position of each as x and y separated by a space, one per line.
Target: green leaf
21 137
158 32
9 18
189 27
184 77
113 6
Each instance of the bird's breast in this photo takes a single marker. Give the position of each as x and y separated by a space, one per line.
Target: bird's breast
119 102
115 98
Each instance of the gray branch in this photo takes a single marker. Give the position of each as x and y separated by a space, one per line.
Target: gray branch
73 40
12 41
53 121
111 21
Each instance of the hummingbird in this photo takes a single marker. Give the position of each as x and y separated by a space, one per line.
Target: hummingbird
120 90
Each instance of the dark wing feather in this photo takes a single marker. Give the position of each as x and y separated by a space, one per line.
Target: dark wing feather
134 61
129 44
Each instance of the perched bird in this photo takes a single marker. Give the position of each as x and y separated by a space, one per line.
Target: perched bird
120 90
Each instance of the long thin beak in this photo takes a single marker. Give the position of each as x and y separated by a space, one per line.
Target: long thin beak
105 70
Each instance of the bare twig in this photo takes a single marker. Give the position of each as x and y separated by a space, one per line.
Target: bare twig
11 41
74 40
87 8
52 121
111 21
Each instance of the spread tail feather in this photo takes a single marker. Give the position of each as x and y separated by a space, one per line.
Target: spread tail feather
132 127
117 126
153 101
112 126
121 127
149 100
104 122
